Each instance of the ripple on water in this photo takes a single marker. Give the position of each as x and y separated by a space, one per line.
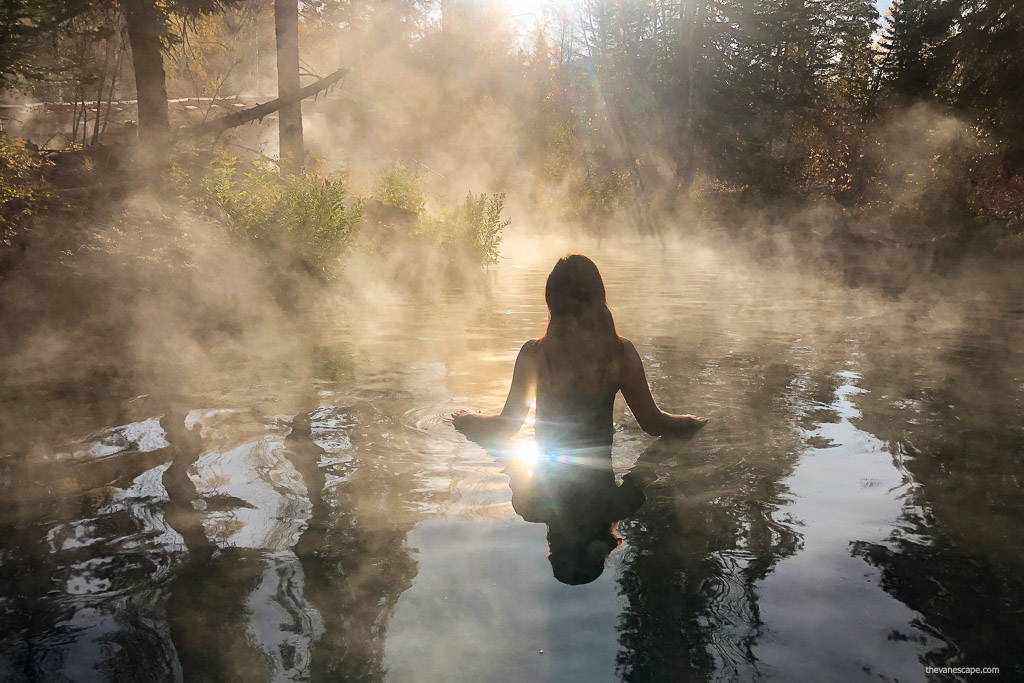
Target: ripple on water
261 475
427 419
139 437
330 426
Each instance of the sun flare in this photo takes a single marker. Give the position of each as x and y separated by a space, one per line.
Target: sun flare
527 452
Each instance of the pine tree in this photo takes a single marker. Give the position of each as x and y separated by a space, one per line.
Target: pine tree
915 31
986 63
24 26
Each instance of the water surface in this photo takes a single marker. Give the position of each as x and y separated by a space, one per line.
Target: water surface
852 511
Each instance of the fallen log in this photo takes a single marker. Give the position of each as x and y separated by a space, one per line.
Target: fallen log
260 110
114 162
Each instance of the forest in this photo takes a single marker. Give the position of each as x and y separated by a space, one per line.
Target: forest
820 116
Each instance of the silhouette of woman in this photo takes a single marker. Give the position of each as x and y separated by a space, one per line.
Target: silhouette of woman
574 371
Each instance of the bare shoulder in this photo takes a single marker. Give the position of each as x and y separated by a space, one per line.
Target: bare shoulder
530 351
630 355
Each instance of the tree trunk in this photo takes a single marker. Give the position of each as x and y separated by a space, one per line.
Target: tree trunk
99 91
690 19
144 23
286 28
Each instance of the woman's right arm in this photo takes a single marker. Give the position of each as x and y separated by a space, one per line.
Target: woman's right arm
517 406
637 393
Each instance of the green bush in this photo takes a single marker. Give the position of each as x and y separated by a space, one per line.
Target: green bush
313 220
472 230
310 218
23 190
397 186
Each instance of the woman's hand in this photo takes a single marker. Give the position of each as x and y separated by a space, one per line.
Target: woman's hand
484 429
683 425
464 420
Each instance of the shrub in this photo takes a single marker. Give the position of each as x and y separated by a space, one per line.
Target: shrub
472 230
23 190
310 218
998 205
397 186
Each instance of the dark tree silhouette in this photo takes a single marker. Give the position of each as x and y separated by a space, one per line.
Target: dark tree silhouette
286 28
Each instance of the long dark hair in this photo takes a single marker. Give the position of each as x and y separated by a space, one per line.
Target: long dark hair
581 333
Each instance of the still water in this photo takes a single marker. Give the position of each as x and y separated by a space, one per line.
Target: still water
853 510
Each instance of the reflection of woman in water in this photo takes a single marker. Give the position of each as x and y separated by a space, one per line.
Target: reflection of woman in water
574 372
581 506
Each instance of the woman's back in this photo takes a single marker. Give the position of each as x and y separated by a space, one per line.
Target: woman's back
576 386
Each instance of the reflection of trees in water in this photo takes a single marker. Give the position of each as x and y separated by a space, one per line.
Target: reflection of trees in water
353 559
112 573
708 532
972 604
316 609
206 594
76 542
704 537
952 420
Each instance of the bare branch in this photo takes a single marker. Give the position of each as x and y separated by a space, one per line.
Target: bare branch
259 111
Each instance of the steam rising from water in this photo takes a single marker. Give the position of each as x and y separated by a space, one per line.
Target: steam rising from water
339 548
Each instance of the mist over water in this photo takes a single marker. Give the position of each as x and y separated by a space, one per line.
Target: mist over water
228 363
851 511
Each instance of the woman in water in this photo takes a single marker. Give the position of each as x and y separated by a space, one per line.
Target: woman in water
574 372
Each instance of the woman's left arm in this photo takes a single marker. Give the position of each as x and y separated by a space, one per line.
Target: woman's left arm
520 396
